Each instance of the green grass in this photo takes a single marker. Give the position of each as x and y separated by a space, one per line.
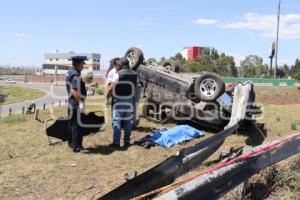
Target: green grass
295 125
14 119
100 90
19 94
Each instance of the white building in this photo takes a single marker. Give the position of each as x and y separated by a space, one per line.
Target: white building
59 63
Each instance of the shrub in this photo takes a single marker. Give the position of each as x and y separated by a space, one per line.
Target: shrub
100 90
294 125
14 119
88 78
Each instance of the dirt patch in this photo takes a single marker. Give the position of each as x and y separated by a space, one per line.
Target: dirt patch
277 182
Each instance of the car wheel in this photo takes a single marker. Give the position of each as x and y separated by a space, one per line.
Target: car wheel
170 65
135 57
209 87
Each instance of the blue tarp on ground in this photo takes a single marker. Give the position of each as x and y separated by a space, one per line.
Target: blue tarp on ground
175 135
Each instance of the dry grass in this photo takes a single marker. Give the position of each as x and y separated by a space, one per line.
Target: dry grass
278 182
32 169
278 95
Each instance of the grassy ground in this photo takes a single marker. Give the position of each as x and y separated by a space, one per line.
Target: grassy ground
18 94
32 169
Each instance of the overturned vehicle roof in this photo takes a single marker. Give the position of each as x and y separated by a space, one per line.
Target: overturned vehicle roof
202 98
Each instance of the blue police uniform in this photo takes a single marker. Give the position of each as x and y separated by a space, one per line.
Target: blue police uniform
74 81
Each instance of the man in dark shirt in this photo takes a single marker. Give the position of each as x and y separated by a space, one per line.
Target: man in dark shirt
76 95
123 90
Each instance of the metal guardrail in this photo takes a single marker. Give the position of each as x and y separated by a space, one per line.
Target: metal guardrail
220 179
273 82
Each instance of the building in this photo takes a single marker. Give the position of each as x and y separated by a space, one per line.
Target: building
59 63
194 52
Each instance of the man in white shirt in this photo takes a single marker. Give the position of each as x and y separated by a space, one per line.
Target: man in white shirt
109 78
111 72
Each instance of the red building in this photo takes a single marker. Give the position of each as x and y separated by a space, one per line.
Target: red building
194 52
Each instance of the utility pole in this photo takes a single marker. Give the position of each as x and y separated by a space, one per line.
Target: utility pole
277 35
55 67
271 57
24 74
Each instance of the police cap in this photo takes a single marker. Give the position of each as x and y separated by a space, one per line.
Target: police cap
78 59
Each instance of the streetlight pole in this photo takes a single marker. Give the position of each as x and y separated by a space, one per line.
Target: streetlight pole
277 35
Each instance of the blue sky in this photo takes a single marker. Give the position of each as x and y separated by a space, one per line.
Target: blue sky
160 27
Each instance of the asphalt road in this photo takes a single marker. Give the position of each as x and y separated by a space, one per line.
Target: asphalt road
52 94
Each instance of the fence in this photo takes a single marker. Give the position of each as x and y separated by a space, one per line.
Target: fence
262 81
100 80
40 106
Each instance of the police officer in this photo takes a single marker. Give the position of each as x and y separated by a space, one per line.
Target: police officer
76 95
123 86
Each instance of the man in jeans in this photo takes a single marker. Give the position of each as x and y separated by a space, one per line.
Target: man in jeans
123 90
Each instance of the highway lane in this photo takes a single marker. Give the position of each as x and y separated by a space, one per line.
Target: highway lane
52 94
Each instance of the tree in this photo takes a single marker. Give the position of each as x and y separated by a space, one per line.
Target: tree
162 59
285 70
206 62
152 61
226 65
295 70
179 59
297 75
88 78
214 55
253 66
212 61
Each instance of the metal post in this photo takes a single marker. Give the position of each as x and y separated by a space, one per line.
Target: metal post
271 64
55 76
44 106
10 111
277 35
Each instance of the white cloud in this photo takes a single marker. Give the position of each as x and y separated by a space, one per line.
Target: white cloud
21 37
266 24
203 21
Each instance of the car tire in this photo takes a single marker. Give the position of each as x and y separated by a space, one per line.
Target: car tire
209 86
135 57
171 65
